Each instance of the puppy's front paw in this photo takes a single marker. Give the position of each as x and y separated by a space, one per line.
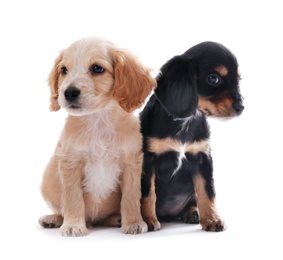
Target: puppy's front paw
213 224
73 231
134 228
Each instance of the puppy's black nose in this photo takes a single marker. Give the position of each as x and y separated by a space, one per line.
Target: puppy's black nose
238 108
71 94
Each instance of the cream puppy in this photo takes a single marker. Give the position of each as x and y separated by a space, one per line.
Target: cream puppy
94 174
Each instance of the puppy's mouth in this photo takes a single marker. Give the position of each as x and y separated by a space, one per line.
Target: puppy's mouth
207 112
76 110
75 106
218 113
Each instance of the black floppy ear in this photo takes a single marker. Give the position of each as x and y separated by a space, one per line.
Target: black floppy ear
177 87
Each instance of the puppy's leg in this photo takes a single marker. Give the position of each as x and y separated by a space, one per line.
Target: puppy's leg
73 206
148 206
205 194
61 188
132 222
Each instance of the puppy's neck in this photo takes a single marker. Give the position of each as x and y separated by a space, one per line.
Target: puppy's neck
175 118
103 118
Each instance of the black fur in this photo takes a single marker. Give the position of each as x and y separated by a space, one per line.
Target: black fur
172 113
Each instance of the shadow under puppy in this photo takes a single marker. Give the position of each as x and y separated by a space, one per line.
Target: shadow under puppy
177 179
95 171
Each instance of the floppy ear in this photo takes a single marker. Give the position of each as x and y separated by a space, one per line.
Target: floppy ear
53 84
133 82
177 86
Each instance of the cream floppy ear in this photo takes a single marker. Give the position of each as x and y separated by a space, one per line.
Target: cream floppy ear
53 84
133 82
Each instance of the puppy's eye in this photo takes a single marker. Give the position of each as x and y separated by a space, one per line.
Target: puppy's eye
214 80
96 69
64 71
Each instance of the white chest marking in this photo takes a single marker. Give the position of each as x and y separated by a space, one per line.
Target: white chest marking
101 155
101 178
181 157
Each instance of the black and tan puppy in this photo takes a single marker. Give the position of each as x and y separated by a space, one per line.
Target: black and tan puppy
178 169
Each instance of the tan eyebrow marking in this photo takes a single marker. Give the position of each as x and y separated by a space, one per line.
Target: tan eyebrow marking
222 70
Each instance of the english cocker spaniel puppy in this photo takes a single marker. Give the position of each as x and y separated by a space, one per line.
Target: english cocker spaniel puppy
94 174
178 171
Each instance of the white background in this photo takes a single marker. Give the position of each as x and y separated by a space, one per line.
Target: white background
247 151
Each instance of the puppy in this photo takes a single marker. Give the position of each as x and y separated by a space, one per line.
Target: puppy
95 171
178 171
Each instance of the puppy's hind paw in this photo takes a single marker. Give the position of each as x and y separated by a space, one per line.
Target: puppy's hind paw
73 231
191 216
112 221
134 228
153 224
51 221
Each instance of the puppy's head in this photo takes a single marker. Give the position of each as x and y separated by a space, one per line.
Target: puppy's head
92 72
217 79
